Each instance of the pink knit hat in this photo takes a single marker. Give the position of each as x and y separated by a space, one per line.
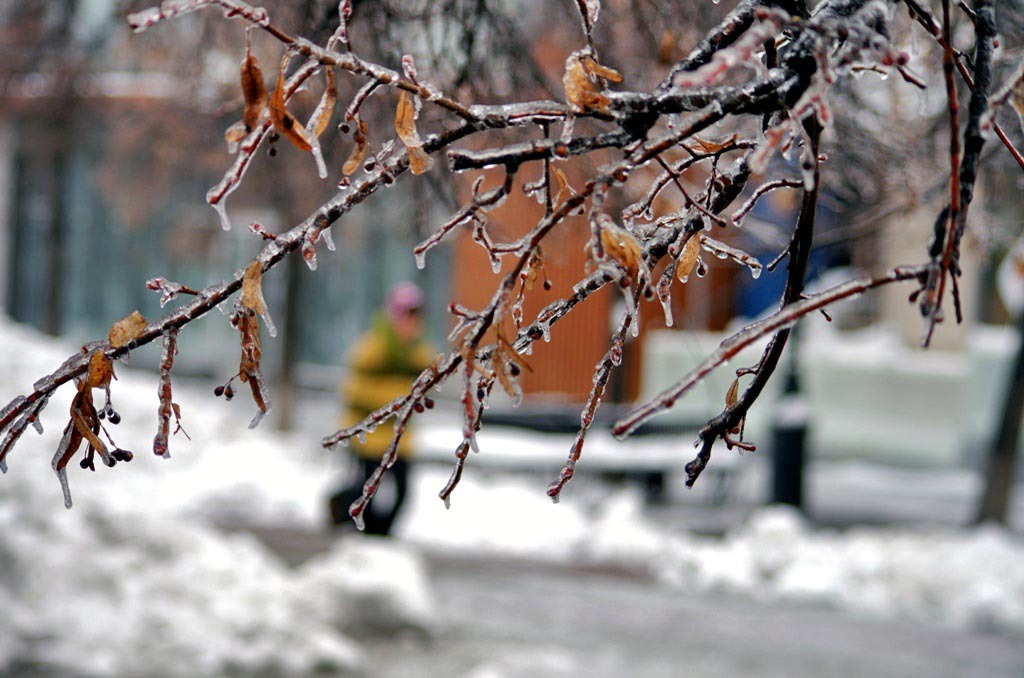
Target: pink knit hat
403 298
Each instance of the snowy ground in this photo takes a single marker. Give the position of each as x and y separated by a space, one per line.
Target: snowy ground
135 580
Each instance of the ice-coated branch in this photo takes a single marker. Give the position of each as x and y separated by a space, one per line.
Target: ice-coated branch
602 372
735 24
757 84
166 407
952 221
513 156
754 332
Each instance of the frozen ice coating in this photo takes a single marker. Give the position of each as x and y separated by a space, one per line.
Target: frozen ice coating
318 157
222 214
140 21
328 239
268 321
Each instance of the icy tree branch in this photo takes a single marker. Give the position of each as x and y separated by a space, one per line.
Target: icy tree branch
758 85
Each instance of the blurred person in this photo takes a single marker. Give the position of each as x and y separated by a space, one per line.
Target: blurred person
382 366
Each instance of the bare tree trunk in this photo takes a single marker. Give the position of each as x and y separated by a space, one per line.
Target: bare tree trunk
1002 460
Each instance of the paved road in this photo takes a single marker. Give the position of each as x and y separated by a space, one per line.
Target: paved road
511 619
505 620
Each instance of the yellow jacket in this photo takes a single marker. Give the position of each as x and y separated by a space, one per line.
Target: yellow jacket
381 368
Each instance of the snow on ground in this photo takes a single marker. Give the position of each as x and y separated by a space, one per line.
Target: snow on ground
134 576
134 580
968 578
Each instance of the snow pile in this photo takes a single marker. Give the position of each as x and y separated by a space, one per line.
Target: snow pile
964 579
134 580
134 577
370 587
126 592
958 578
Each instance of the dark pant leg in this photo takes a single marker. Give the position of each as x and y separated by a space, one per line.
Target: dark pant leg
399 471
378 518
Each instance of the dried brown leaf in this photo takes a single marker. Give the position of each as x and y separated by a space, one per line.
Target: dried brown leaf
563 184
405 127
510 354
583 82
249 364
507 384
83 424
620 245
252 288
127 329
101 370
257 394
325 109
597 70
355 159
733 394
708 146
688 259
254 91
284 122
668 48
234 135
71 441
533 267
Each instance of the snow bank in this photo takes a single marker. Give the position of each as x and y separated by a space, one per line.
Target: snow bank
963 579
125 592
958 578
134 580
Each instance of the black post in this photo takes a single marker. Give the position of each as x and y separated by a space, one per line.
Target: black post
789 433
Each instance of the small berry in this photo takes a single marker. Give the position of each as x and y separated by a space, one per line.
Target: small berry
229 392
101 414
429 402
85 463
514 370
480 394
218 391
418 407
115 418
547 285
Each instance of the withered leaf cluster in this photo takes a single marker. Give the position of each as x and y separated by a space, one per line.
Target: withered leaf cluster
250 306
405 126
86 422
584 81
